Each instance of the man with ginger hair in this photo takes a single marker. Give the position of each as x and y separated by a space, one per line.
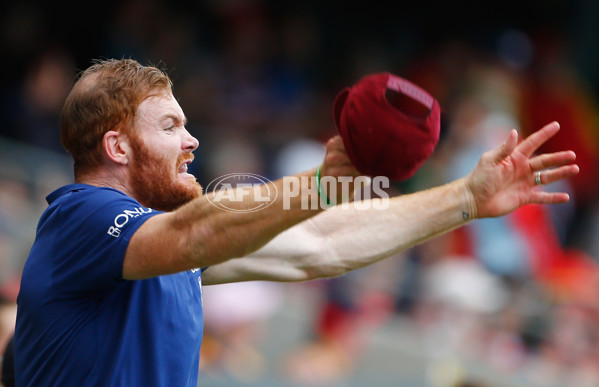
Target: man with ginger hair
111 291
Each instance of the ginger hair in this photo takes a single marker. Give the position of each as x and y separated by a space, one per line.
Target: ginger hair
106 97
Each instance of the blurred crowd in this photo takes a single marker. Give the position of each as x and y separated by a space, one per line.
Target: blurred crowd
256 79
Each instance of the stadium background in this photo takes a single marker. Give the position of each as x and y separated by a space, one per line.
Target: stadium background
503 302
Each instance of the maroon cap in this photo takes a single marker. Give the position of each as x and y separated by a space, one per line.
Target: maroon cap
389 125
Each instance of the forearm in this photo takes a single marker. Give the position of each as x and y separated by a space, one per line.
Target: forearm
354 238
344 239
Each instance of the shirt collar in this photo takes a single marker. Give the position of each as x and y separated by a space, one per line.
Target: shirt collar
66 189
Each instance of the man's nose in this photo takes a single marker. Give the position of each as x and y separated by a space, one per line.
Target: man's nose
190 143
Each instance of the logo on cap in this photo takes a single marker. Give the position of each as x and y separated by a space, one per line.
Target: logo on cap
411 90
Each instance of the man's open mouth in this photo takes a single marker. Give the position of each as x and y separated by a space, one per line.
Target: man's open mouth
183 167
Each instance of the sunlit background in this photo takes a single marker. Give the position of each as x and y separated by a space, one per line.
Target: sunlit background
512 301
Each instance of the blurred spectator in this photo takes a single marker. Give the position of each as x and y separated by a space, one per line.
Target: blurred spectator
555 91
32 112
235 316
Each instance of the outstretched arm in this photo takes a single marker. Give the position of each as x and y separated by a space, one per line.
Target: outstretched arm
199 234
344 239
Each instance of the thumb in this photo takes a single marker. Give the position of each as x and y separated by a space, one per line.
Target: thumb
505 149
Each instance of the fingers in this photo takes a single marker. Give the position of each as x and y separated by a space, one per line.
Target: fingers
551 160
337 162
505 149
538 138
541 197
336 143
560 164
553 175
337 158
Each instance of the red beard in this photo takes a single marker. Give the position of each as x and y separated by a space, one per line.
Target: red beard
155 182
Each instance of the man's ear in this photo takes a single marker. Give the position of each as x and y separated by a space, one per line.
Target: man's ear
116 147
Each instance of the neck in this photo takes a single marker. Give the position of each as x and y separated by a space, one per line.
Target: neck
103 178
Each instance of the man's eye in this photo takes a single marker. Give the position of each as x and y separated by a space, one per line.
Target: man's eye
170 128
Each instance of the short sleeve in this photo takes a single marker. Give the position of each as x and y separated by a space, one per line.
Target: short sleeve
91 233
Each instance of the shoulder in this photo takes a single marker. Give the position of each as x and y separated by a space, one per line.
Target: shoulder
81 205
88 198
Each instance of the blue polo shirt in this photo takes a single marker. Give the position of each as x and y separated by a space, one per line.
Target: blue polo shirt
80 324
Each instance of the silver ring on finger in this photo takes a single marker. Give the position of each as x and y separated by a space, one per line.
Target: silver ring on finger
538 180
